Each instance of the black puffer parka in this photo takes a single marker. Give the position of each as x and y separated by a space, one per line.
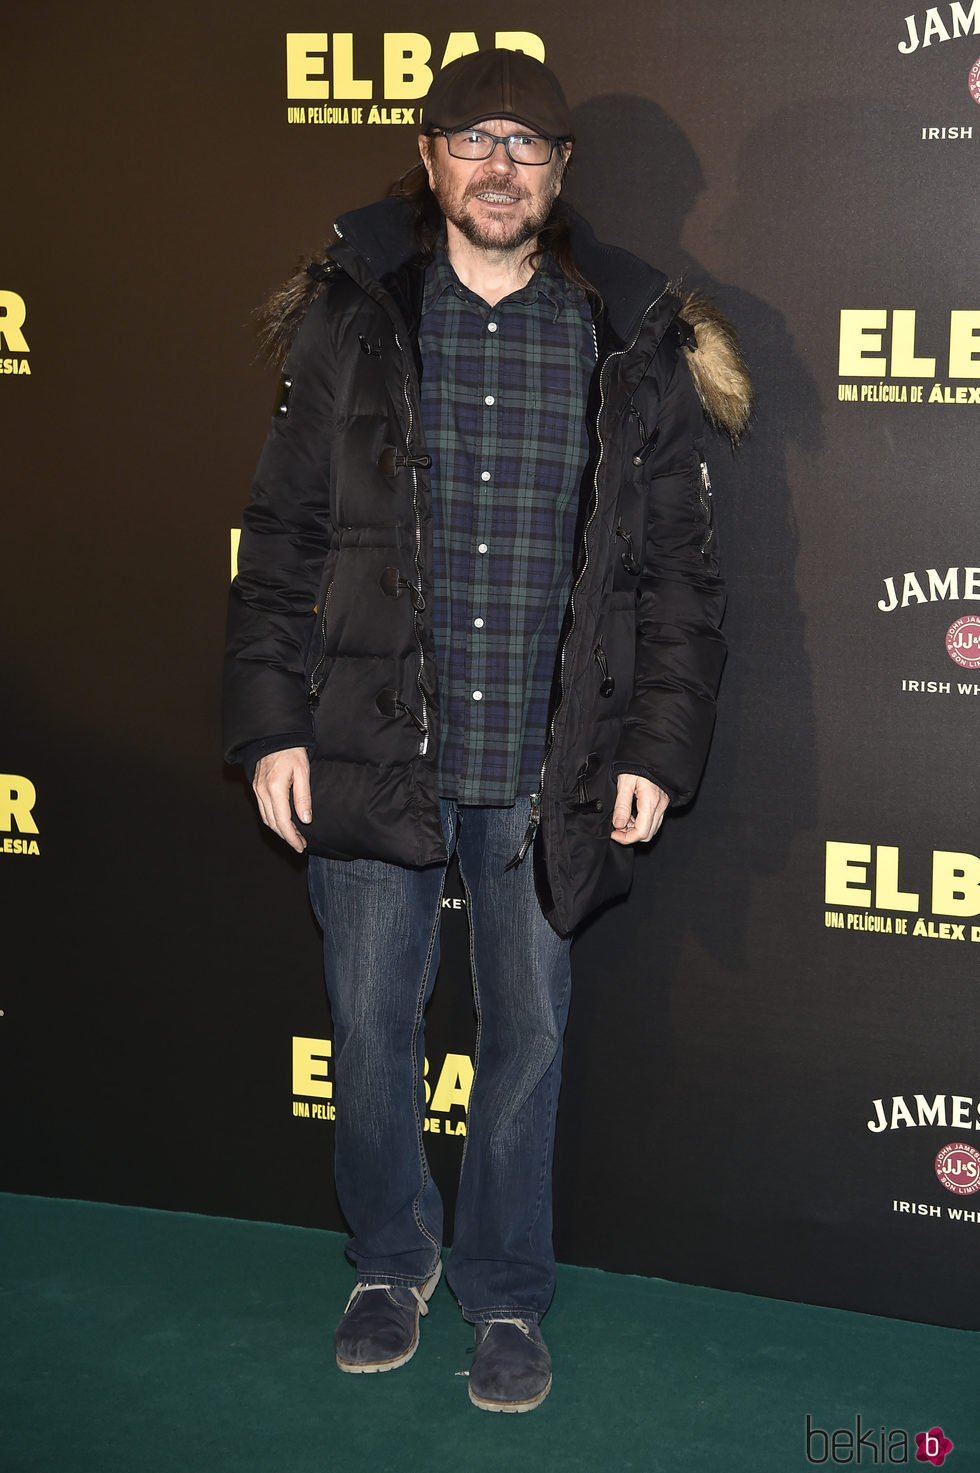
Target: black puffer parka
330 643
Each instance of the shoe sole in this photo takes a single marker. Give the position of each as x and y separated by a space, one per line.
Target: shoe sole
376 1367
510 1406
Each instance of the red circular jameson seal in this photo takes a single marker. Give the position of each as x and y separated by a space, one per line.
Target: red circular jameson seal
963 641
975 80
958 1168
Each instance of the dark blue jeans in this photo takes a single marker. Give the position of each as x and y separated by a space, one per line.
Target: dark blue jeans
381 951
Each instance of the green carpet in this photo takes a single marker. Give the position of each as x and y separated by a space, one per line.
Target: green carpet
136 1341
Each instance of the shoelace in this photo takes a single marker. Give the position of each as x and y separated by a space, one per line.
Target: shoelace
503 1320
360 1289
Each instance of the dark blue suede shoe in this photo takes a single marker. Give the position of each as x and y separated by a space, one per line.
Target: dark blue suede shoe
379 1330
511 1370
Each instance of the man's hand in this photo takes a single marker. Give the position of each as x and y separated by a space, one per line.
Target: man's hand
276 776
651 805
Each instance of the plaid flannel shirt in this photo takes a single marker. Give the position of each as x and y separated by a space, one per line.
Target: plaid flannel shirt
504 393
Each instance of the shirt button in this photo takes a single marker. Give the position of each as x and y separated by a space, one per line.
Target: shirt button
478 695
491 327
477 623
484 475
483 547
489 399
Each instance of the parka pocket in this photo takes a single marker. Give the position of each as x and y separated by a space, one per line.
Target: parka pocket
705 503
318 667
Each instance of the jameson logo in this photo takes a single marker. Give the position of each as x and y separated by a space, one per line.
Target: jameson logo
942 1110
929 587
959 20
874 1445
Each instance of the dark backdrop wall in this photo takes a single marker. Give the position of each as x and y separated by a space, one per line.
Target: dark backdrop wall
771 1082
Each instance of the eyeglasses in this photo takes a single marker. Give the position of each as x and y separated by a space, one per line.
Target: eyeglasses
522 148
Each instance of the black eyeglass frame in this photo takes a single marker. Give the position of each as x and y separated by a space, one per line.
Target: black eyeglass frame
505 138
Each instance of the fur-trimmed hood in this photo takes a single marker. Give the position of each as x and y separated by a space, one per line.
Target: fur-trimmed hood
718 369
379 239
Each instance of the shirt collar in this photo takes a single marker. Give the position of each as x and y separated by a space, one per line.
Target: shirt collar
547 284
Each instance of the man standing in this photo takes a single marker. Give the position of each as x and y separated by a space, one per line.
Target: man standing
477 613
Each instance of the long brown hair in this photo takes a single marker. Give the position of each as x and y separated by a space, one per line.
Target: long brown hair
554 237
280 315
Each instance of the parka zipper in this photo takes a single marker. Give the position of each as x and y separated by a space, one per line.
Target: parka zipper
413 462
530 833
705 495
313 695
535 815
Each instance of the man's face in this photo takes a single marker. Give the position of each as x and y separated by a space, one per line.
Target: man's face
495 203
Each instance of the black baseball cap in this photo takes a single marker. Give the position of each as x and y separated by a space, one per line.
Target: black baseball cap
498 84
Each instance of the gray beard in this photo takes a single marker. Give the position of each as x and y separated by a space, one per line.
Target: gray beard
488 241
484 239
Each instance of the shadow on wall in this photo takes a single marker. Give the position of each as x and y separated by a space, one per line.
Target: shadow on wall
760 789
